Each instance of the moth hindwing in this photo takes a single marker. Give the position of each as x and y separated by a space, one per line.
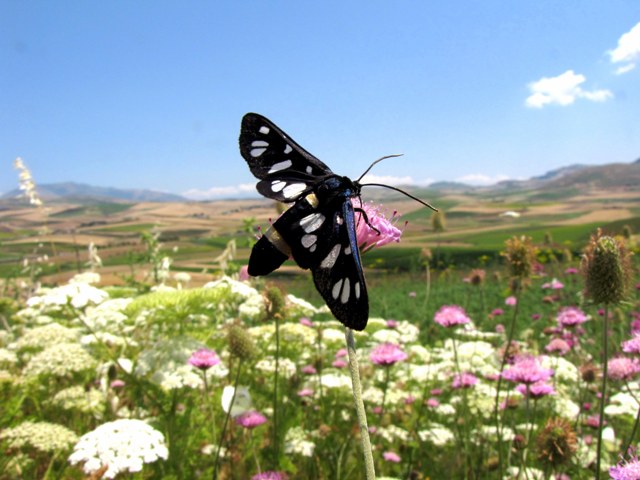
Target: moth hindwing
318 230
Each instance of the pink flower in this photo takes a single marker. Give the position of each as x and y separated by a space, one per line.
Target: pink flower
622 368
536 390
250 419
387 354
496 312
341 353
500 328
309 370
367 236
571 271
464 380
558 345
451 315
511 301
413 294
392 324
117 383
391 457
204 359
535 316
633 345
433 402
527 370
626 469
270 475
571 316
553 284
305 392
306 322
339 363
436 391
243 274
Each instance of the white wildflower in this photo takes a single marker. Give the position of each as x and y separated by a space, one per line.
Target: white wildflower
43 436
252 308
622 403
44 336
437 434
8 356
61 360
77 398
335 380
86 277
78 295
391 433
238 288
300 307
296 441
333 335
123 445
286 367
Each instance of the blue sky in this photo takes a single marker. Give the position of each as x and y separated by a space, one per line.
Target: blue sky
150 94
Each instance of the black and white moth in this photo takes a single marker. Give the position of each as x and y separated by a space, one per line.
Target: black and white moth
319 229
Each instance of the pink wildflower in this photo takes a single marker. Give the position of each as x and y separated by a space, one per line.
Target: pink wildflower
391 457
387 354
496 312
633 345
339 363
433 402
626 469
511 301
553 285
464 380
558 345
571 271
436 391
622 368
305 392
367 236
500 328
392 324
250 419
117 383
413 294
535 316
451 315
309 370
527 370
204 359
536 390
571 316
243 274
270 475
306 322
341 353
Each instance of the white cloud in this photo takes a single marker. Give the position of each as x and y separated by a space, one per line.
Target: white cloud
221 192
562 90
480 179
628 50
395 181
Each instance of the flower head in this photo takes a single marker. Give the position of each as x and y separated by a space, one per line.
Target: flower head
270 475
250 419
123 445
557 442
451 315
626 469
633 345
527 370
559 346
464 380
204 359
622 368
387 354
392 457
571 316
386 232
536 390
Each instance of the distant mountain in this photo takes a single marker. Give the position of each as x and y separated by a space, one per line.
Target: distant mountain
84 193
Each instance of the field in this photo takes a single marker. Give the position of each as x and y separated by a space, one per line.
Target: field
162 361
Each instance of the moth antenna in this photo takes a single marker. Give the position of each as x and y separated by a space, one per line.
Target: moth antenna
378 161
402 192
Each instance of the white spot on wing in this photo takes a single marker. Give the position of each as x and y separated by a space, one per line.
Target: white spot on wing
264 130
335 291
293 190
256 152
278 185
260 146
312 222
347 250
308 241
356 287
309 170
339 220
330 260
345 291
276 167
287 149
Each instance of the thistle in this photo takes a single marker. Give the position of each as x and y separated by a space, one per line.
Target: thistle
606 266
557 442
520 256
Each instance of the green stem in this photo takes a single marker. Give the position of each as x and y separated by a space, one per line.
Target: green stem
603 390
275 393
503 362
359 404
226 421
211 409
384 391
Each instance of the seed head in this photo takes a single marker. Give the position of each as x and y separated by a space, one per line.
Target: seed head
606 266
521 255
557 442
241 344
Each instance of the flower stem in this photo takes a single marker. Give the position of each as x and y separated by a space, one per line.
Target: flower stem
359 404
603 390
503 362
276 452
206 400
226 421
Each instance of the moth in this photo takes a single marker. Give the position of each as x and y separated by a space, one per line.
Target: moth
319 229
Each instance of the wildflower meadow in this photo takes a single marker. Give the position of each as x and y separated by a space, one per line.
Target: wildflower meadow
526 370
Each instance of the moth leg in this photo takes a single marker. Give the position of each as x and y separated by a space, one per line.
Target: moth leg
366 219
